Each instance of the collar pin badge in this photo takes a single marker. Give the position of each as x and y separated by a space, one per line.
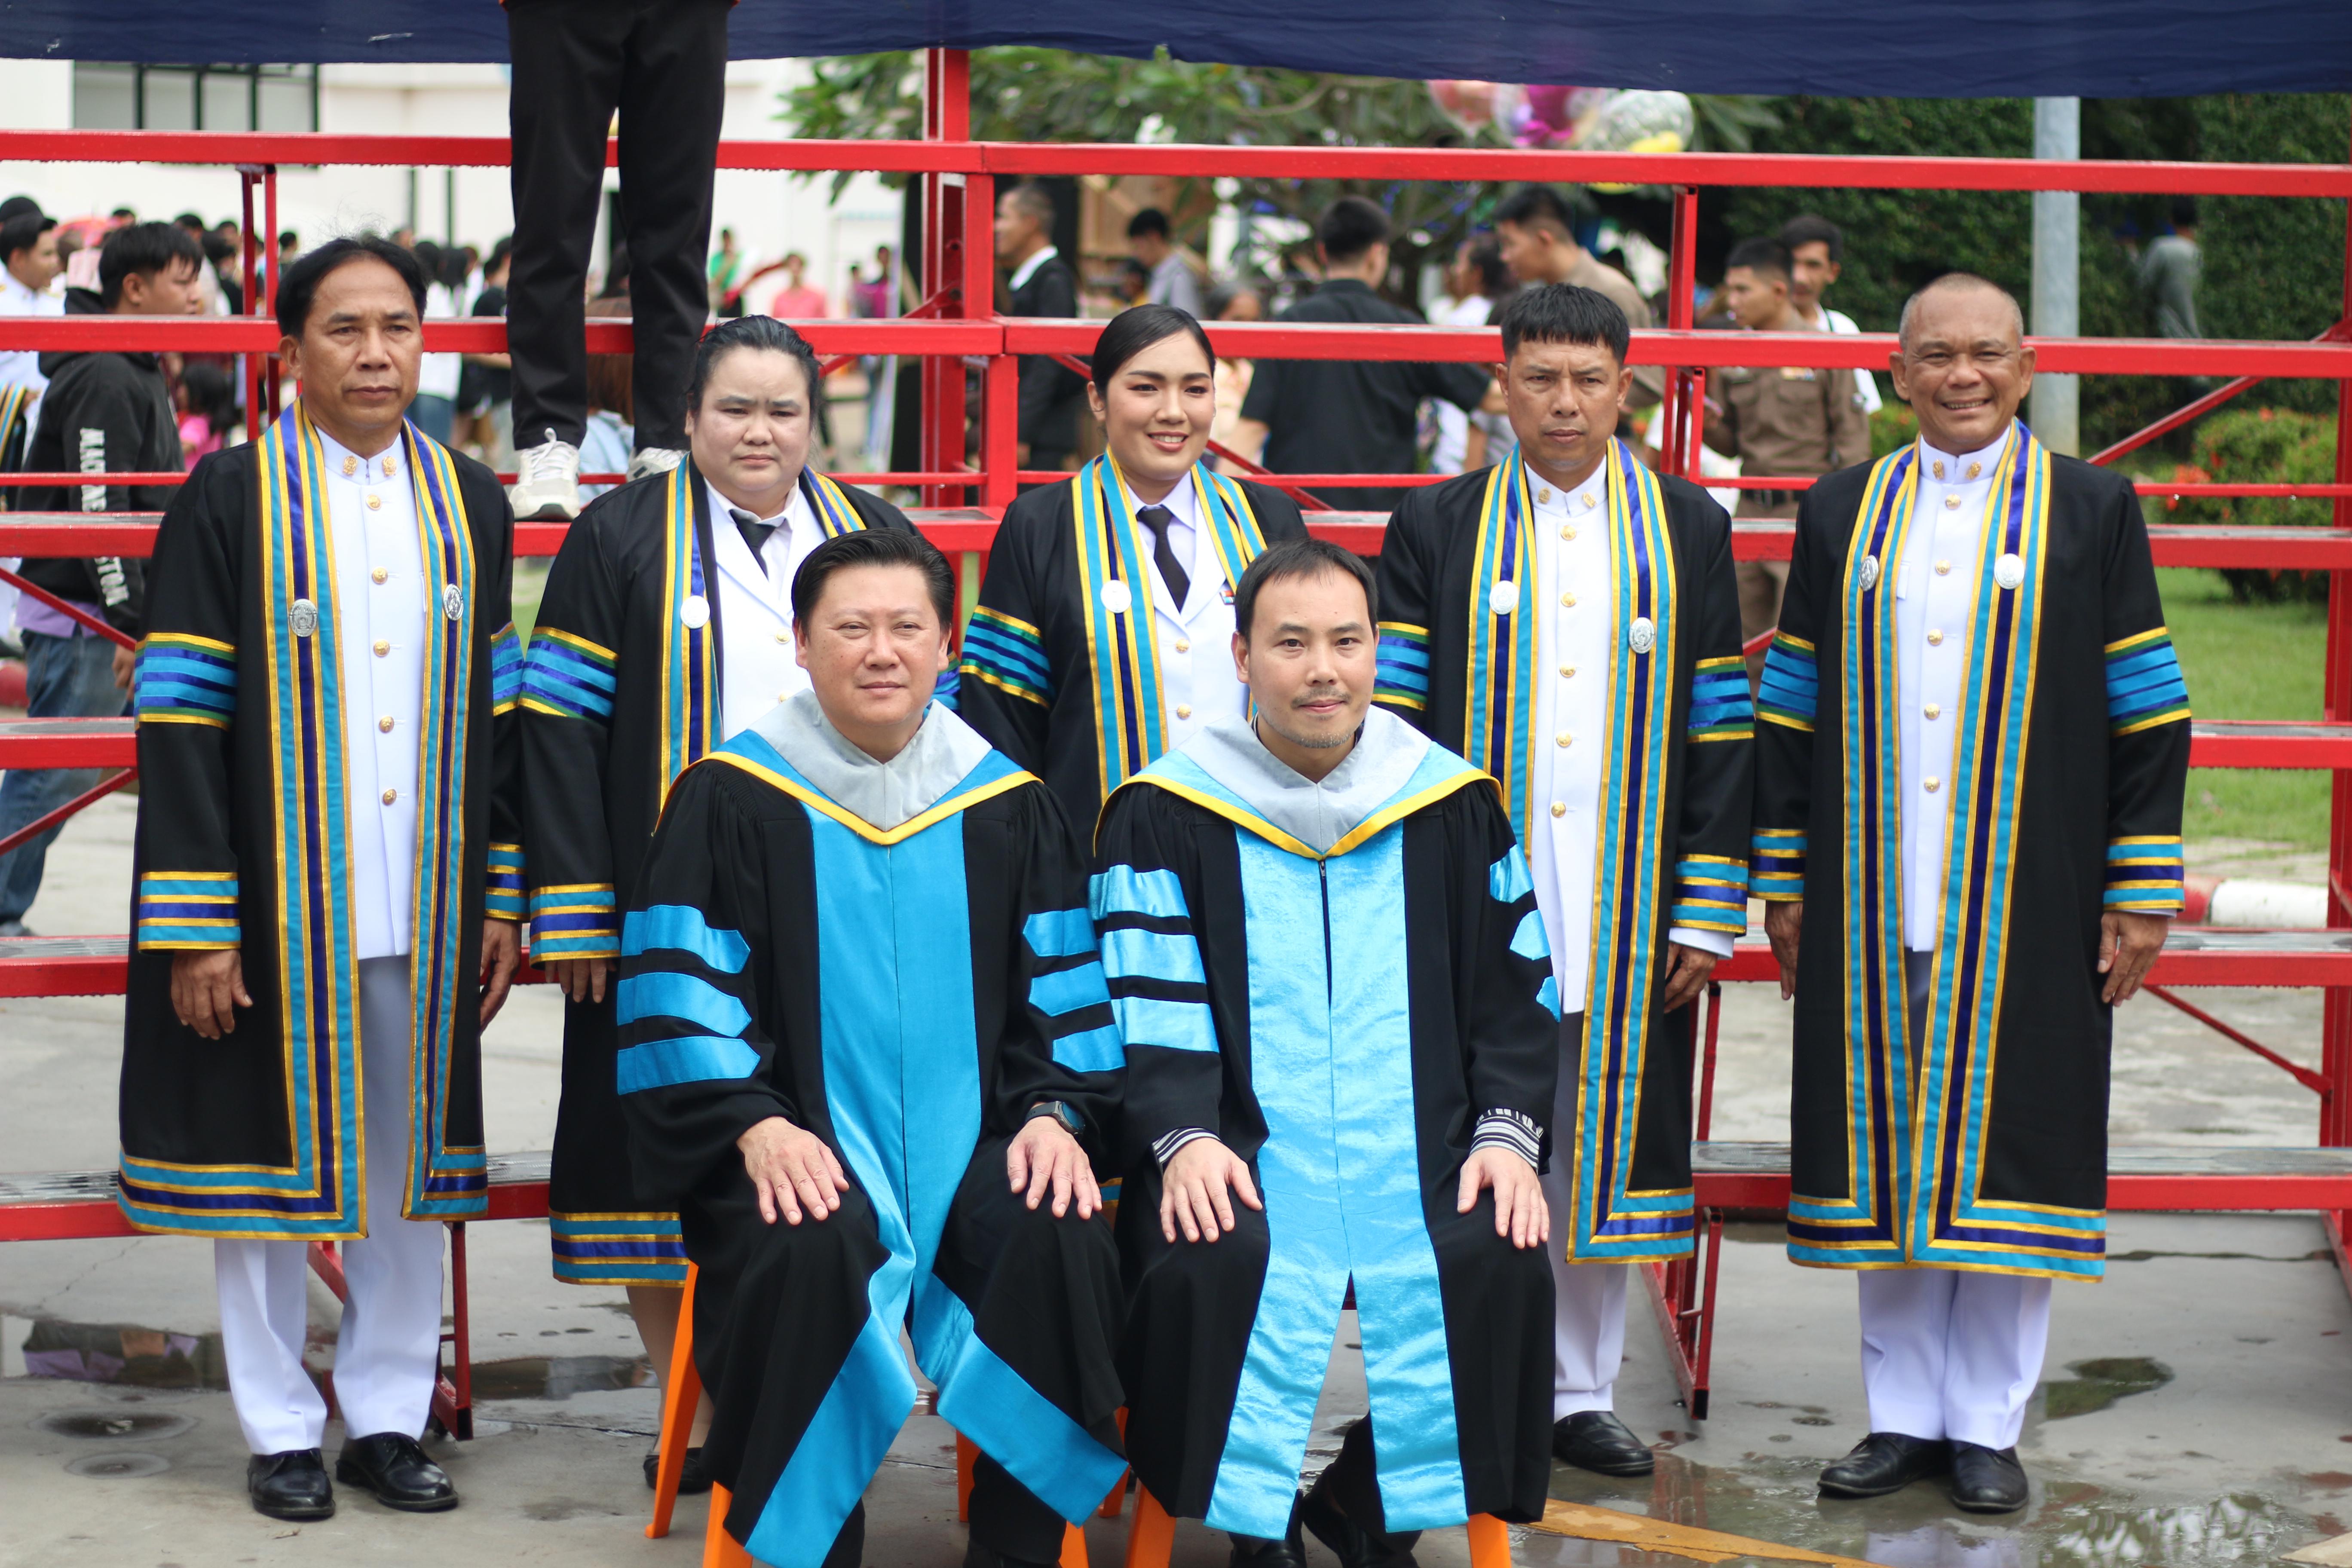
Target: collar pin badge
1642 636
695 613
303 619
1503 597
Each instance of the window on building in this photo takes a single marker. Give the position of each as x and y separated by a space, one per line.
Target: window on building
109 96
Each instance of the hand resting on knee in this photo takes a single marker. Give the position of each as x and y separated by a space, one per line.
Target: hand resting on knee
792 1170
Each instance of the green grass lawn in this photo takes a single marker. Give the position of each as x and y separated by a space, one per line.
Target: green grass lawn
2249 661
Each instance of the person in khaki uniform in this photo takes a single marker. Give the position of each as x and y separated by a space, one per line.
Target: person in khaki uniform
1787 419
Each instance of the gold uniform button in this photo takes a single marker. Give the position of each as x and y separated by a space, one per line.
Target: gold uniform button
1566 531
1931 785
384 723
1935 639
1183 646
1183 710
1568 601
375 502
1934 710
1951 503
1562 739
1943 568
1559 808
382 648
379 575
1568 672
350 466
390 796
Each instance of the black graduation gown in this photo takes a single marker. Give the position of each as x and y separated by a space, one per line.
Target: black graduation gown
241 844
1041 677
619 696
1340 1022
1677 782
1984 1144
907 996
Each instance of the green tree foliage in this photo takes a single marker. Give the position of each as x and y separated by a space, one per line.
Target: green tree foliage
2261 446
2274 267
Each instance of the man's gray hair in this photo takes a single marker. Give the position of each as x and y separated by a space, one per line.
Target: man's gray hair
1953 280
1032 199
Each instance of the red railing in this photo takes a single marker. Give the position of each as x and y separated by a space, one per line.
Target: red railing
955 321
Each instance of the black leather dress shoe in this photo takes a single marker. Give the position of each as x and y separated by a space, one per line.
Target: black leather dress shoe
393 1465
1886 1462
1596 1440
1290 1552
292 1484
1987 1480
693 1475
1354 1546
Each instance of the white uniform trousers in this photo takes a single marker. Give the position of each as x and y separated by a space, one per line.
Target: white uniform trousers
1950 1353
1588 1331
388 1352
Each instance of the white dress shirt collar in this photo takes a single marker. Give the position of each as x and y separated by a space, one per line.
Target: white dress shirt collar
1022 273
342 462
1965 467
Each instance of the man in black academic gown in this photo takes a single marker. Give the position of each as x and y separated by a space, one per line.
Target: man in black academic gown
665 629
1973 751
1570 620
868 1052
1340 1017
328 879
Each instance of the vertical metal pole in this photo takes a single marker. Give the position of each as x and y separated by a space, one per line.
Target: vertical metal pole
269 277
2335 1027
249 366
1681 281
2057 273
947 117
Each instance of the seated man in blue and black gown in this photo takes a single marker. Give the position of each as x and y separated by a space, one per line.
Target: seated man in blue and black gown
867 1051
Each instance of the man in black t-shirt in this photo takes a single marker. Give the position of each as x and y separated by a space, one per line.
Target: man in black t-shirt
1325 417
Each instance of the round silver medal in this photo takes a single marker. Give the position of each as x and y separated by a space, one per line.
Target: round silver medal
303 617
1642 636
695 612
1116 599
2008 572
1869 573
453 602
1503 597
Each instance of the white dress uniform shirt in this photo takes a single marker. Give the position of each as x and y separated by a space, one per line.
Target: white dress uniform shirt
1197 685
1028 269
383 600
22 367
1570 532
1935 593
756 668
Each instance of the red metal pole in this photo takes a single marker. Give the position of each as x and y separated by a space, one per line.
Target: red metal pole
88 797
947 117
250 364
1682 280
269 275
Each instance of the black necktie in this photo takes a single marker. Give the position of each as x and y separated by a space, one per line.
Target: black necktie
755 532
1158 519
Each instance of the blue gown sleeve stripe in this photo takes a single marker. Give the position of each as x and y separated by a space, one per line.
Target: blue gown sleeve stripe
1124 890
693 1059
681 927
1059 933
1060 990
666 993
1507 879
1528 941
1131 954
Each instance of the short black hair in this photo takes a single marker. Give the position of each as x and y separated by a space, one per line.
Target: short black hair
1136 329
23 232
1486 259
1033 199
1813 228
1762 255
286 236
1350 226
875 547
1150 220
755 332
143 249
1536 206
1308 557
299 286
1565 314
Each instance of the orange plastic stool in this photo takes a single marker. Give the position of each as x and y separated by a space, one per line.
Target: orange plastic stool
719 1547
681 1392
1153 1535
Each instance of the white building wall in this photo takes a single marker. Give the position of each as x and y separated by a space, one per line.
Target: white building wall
770 212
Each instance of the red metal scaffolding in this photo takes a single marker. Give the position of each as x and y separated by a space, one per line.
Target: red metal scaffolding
961 503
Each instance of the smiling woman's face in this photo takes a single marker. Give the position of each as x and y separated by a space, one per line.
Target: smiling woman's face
1157 411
